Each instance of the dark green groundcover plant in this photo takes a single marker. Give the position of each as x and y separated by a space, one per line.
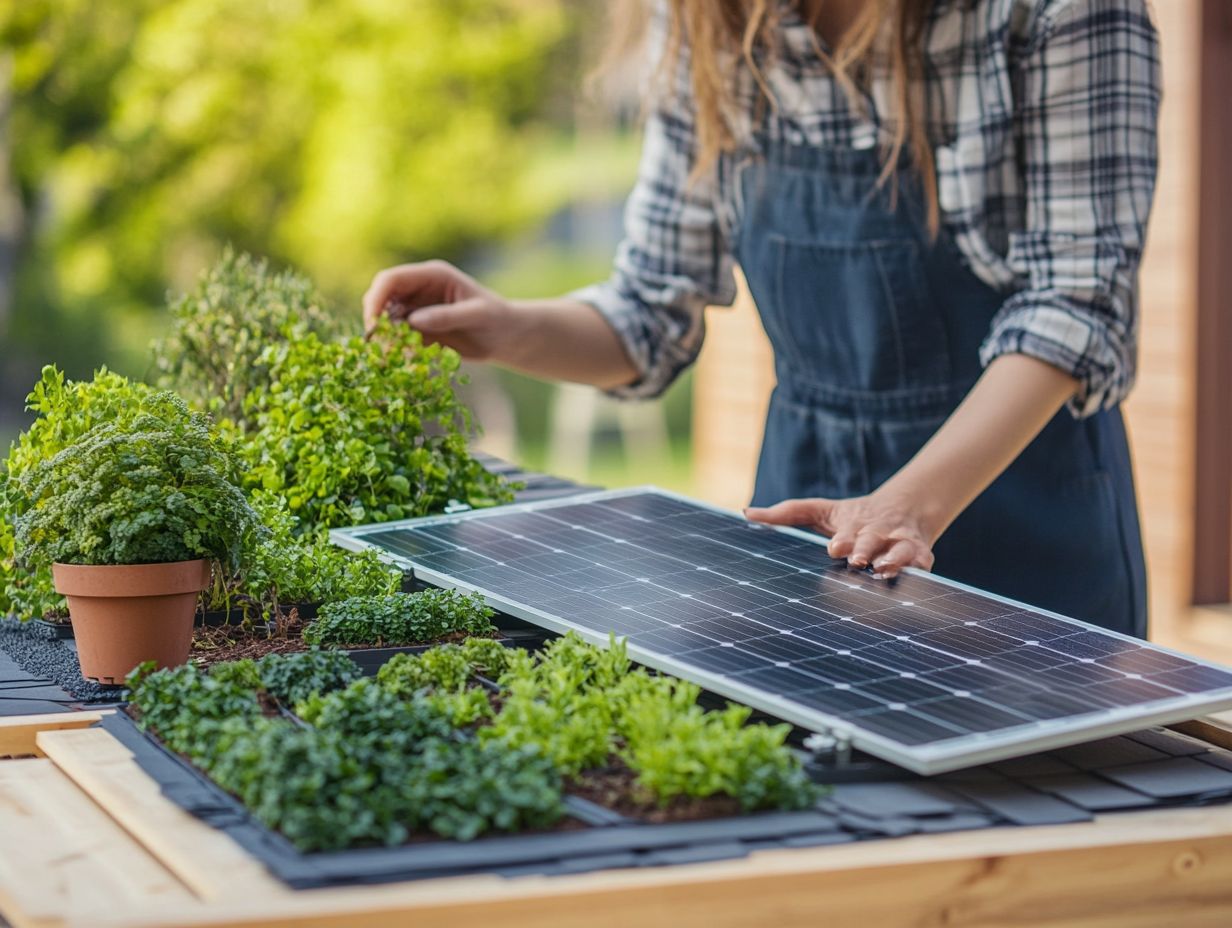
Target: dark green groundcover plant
373 768
363 431
291 678
399 619
159 489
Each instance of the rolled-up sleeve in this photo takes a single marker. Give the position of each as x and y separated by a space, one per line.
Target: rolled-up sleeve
1087 102
673 262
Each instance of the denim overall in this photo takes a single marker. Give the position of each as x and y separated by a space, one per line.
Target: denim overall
876 331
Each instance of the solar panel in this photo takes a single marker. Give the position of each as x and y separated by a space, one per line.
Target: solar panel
922 671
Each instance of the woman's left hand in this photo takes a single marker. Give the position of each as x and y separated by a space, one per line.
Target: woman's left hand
882 529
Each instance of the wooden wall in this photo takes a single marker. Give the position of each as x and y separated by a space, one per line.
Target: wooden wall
735 375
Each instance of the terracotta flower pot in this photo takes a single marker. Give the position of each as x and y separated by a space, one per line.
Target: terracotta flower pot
126 615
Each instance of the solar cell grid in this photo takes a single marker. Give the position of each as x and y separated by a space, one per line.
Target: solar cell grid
921 671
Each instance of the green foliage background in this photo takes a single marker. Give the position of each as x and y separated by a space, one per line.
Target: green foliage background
137 138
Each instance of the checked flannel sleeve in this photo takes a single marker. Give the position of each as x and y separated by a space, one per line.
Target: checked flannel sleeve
1086 100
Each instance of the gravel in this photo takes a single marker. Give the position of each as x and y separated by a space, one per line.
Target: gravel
35 651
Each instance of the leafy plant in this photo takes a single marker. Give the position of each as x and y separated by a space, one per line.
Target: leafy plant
448 667
445 676
283 568
421 774
363 431
188 708
399 619
365 709
582 705
444 668
575 729
159 489
678 749
292 678
373 768
219 331
64 411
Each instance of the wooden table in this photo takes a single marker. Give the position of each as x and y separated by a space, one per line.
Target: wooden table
86 838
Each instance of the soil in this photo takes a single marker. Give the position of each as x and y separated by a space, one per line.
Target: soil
614 787
216 644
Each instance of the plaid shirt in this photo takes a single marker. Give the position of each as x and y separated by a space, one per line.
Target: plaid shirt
1043 119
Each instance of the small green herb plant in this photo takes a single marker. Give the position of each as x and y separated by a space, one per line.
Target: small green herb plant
399 619
360 431
159 489
219 330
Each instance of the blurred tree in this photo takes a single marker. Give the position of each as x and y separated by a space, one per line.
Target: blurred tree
336 136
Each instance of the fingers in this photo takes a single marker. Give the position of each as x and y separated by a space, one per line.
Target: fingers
900 554
812 512
866 547
449 317
842 543
399 290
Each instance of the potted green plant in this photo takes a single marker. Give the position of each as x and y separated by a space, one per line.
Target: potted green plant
65 410
130 517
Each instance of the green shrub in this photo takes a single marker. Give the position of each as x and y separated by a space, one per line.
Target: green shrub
212 355
399 619
156 490
363 431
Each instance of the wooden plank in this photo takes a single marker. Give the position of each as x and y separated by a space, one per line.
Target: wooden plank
17 733
1128 871
63 858
1216 729
206 859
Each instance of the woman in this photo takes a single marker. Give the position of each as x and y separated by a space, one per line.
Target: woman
939 206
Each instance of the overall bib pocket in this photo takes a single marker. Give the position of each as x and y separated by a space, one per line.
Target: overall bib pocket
854 314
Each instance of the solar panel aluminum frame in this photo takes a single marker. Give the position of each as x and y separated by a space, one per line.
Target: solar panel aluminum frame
929 759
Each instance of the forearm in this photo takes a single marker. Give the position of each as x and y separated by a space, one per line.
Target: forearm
564 339
1009 405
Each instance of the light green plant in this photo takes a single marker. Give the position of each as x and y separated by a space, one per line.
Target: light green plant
363 431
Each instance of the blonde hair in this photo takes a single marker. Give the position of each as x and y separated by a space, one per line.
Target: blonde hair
717 32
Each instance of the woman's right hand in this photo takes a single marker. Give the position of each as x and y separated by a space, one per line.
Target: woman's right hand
444 304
